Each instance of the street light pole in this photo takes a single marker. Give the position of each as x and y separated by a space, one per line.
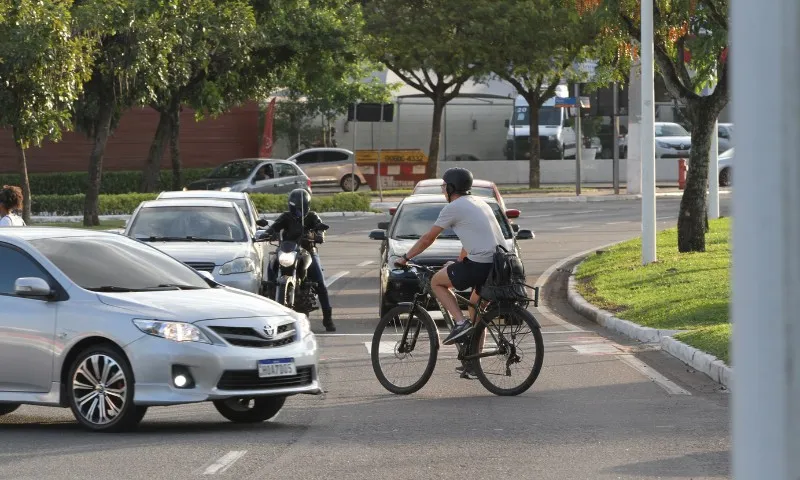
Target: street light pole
648 138
766 233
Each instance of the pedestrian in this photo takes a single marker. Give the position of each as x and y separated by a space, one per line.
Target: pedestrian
10 201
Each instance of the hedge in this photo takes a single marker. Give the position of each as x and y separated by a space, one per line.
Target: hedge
126 203
112 183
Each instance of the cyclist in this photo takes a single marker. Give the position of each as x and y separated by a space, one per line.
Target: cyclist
474 223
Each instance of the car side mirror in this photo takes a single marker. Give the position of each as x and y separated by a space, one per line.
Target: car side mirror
32 287
524 235
507 123
377 235
515 227
262 222
383 225
512 213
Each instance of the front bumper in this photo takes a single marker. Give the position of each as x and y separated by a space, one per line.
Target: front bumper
219 371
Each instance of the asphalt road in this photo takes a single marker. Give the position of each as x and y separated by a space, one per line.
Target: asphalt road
602 408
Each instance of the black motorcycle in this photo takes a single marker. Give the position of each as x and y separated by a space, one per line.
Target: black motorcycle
292 288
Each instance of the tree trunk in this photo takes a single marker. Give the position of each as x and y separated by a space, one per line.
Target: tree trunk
24 180
534 170
436 133
153 165
102 132
693 211
174 146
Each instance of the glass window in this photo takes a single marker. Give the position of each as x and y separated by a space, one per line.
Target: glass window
671 130
437 190
330 157
286 170
16 264
306 158
415 220
547 116
174 223
114 262
238 169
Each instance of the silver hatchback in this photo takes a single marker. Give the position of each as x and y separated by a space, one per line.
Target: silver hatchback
109 326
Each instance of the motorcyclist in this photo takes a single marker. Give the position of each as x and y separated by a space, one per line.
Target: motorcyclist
295 225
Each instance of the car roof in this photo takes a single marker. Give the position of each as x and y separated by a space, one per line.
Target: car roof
323 149
202 194
35 233
435 198
438 181
263 160
188 202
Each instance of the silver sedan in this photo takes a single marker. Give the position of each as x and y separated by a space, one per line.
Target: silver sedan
207 234
109 326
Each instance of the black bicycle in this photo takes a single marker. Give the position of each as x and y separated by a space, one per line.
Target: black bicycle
408 334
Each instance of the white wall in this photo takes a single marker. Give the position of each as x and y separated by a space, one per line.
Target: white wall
559 171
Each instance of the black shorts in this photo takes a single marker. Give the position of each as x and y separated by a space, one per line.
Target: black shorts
468 274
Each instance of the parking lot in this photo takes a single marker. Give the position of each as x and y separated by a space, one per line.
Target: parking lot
626 410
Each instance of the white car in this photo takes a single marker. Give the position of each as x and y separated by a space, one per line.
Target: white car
242 199
672 141
208 235
725 167
109 326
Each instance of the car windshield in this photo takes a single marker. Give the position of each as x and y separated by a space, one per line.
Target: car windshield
671 130
437 190
547 116
416 219
242 203
114 263
238 169
183 223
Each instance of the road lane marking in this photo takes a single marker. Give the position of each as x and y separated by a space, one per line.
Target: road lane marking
538 216
665 218
365 263
596 349
568 227
225 462
671 387
332 279
618 223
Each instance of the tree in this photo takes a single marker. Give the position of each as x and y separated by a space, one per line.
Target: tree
429 45
42 68
537 58
691 51
128 64
203 69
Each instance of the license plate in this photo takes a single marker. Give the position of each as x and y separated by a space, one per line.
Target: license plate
277 367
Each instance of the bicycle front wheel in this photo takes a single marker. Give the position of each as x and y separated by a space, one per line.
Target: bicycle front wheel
404 349
516 337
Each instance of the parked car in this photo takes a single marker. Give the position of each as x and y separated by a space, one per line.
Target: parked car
241 199
481 188
254 175
672 140
208 235
725 167
724 136
331 166
415 216
109 326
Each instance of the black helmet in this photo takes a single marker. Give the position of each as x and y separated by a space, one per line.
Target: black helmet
299 201
458 181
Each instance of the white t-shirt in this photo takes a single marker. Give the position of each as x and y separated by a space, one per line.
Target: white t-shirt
12 220
474 222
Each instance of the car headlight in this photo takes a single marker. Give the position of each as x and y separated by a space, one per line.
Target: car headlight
175 331
663 145
552 138
287 259
238 265
225 189
303 324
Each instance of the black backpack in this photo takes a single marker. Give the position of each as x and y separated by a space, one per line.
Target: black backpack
506 281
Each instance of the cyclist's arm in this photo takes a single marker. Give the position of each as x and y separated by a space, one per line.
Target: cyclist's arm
463 255
424 242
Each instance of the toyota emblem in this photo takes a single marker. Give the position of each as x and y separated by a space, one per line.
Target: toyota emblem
269 330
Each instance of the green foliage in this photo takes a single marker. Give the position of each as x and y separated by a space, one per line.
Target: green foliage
71 183
126 203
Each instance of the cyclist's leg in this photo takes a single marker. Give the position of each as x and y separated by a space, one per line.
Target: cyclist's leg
442 288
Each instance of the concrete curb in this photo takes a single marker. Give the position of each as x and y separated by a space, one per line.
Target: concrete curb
564 199
269 216
701 361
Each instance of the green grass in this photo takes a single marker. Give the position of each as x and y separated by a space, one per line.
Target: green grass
104 225
688 291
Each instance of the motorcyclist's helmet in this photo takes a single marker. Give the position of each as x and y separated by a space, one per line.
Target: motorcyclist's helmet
299 201
458 181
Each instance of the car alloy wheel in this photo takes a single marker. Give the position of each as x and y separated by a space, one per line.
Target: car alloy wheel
100 391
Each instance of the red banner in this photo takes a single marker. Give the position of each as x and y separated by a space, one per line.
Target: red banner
266 138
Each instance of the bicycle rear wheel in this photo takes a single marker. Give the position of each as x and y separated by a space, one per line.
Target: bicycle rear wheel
404 343
519 340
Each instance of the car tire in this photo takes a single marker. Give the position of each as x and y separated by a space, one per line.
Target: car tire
249 410
725 177
106 367
6 408
345 183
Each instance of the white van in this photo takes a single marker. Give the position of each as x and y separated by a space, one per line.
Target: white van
556 137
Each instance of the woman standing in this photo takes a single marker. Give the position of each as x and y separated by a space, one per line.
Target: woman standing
10 200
